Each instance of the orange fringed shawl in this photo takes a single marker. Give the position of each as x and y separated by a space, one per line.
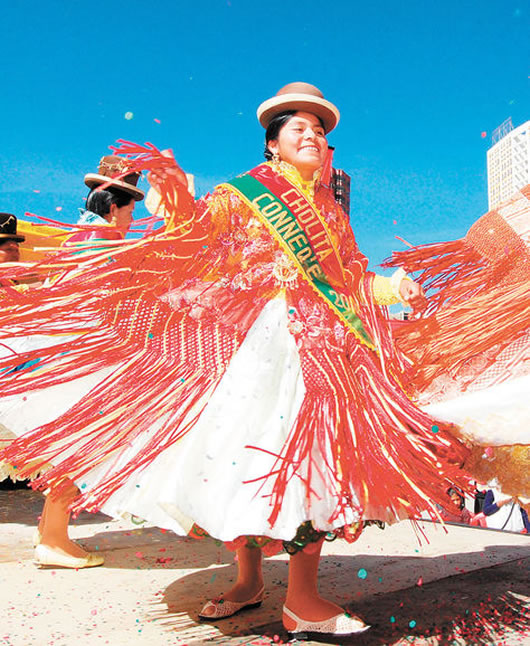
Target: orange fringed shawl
168 313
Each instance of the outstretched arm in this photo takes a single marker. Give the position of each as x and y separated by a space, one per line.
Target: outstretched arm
386 290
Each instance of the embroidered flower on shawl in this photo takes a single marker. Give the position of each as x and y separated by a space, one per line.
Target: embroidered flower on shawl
285 271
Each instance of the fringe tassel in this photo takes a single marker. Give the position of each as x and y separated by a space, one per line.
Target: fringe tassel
485 322
387 459
157 384
478 305
449 271
106 297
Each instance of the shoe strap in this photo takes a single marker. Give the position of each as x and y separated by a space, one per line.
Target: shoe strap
291 614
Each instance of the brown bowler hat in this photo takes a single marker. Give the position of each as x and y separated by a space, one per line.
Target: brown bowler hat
113 166
8 228
303 97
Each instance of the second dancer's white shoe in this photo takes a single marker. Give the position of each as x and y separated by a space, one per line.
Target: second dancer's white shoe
48 557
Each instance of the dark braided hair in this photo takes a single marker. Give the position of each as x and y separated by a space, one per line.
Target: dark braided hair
273 129
100 201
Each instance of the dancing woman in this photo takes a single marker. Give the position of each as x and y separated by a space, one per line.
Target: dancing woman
106 216
247 383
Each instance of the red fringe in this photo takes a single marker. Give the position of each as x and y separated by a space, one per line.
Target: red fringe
479 293
448 271
468 329
161 380
106 297
170 179
386 461
382 451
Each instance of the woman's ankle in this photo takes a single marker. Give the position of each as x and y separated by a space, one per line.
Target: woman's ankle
312 608
244 590
64 545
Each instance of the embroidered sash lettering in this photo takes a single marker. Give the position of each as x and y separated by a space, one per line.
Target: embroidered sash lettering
296 225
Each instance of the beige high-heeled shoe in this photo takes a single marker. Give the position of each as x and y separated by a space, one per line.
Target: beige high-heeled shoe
48 557
224 608
341 624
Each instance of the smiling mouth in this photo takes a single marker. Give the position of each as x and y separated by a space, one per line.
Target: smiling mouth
309 148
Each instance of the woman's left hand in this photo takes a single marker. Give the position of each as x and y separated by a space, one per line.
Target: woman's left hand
413 294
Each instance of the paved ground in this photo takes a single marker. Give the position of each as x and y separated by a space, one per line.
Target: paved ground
466 586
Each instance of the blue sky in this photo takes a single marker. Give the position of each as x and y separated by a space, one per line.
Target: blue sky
417 83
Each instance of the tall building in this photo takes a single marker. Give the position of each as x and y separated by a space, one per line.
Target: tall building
340 183
508 161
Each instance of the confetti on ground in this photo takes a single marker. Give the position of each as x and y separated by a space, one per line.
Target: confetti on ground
362 573
483 607
156 120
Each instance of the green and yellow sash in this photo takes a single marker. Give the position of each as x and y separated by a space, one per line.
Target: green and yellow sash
299 228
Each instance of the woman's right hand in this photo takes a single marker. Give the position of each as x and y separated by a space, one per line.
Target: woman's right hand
157 177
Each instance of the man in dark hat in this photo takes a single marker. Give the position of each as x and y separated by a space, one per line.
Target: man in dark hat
9 239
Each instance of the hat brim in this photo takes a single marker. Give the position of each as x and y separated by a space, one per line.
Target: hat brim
93 180
11 236
322 108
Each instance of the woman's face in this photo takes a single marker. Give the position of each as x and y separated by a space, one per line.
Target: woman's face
456 500
302 142
121 216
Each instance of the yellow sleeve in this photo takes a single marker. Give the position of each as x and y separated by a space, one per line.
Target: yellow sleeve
386 288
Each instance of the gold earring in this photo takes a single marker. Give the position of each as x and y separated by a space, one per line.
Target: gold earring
275 158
